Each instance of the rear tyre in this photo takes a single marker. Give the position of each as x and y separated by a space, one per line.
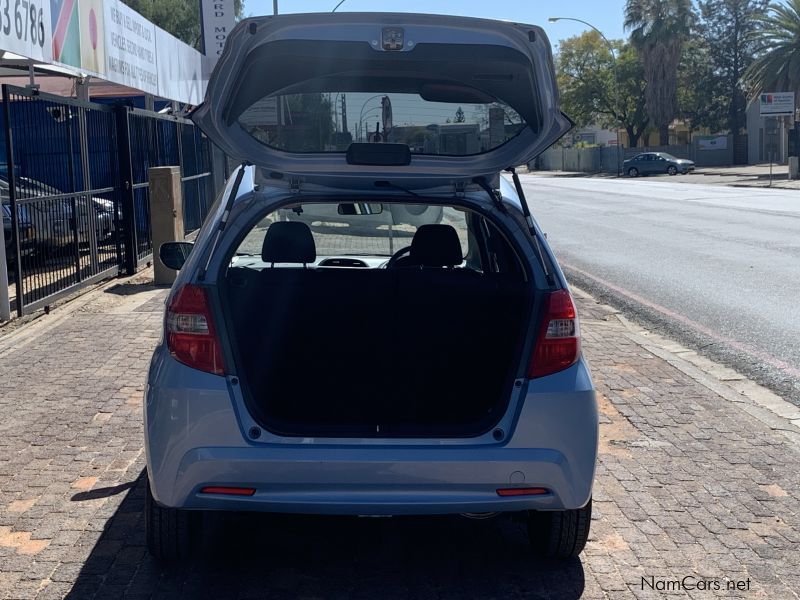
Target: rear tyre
560 534
672 170
633 172
170 531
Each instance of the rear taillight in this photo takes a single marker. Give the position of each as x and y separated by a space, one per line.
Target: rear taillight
191 336
558 344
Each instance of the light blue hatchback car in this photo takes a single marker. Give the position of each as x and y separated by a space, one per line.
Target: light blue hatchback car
348 364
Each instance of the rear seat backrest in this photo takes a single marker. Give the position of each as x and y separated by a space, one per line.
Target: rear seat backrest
289 242
433 245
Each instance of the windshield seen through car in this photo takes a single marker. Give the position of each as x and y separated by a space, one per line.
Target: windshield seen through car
380 234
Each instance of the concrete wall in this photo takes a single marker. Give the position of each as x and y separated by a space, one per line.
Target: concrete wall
604 160
594 135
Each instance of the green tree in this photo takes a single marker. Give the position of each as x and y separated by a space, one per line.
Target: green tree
633 92
659 29
727 26
308 124
586 79
460 117
702 95
181 18
777 45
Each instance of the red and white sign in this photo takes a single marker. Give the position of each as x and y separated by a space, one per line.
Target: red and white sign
776 104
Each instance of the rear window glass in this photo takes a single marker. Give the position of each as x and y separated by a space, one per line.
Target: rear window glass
378 231
331 121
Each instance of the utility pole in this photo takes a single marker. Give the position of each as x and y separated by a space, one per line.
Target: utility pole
274 7
617 106
344 114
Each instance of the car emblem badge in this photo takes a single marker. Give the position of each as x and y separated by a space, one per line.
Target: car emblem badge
393 38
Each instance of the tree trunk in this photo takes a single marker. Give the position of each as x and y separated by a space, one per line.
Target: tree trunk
633 137
663 135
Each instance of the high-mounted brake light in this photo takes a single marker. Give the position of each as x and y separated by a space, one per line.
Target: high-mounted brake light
559 342
191 336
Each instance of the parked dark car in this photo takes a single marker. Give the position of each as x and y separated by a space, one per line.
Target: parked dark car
27 233
648 163
53 219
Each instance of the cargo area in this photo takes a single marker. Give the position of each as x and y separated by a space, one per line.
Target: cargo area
376 352
419 350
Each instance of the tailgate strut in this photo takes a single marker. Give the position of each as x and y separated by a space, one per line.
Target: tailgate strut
201 276
529 220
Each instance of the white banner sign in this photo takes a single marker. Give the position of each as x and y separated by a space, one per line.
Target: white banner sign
130 48
180 70
25 28
776 104
107 39
719 142
218 22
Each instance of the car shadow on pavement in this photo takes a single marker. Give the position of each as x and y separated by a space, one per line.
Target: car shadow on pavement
130 288
103 492
288 556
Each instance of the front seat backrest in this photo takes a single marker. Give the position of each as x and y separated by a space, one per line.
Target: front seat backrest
436 245
289 242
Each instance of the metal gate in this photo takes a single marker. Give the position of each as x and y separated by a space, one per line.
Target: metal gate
76 188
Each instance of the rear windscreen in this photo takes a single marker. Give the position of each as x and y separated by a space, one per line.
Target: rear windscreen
331 121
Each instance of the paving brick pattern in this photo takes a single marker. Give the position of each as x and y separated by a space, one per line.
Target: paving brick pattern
687 485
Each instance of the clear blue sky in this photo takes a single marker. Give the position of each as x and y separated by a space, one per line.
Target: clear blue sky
606 15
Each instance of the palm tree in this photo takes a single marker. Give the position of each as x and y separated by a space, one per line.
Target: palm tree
658 30
777 44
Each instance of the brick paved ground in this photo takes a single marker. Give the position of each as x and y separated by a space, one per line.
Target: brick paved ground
687 484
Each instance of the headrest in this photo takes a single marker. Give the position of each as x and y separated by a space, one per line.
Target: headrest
436 246
289 242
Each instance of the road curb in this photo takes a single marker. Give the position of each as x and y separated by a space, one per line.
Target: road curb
756 400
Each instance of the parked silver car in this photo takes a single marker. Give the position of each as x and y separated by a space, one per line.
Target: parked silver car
319 370
649 163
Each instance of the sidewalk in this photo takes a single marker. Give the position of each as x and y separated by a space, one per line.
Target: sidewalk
737 176
694 479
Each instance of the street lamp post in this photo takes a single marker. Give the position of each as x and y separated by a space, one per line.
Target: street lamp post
364 116
616 77
364 105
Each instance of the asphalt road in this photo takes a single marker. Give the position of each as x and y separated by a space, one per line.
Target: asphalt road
717 267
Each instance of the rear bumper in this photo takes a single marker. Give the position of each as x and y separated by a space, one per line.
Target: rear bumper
194 439
373 481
